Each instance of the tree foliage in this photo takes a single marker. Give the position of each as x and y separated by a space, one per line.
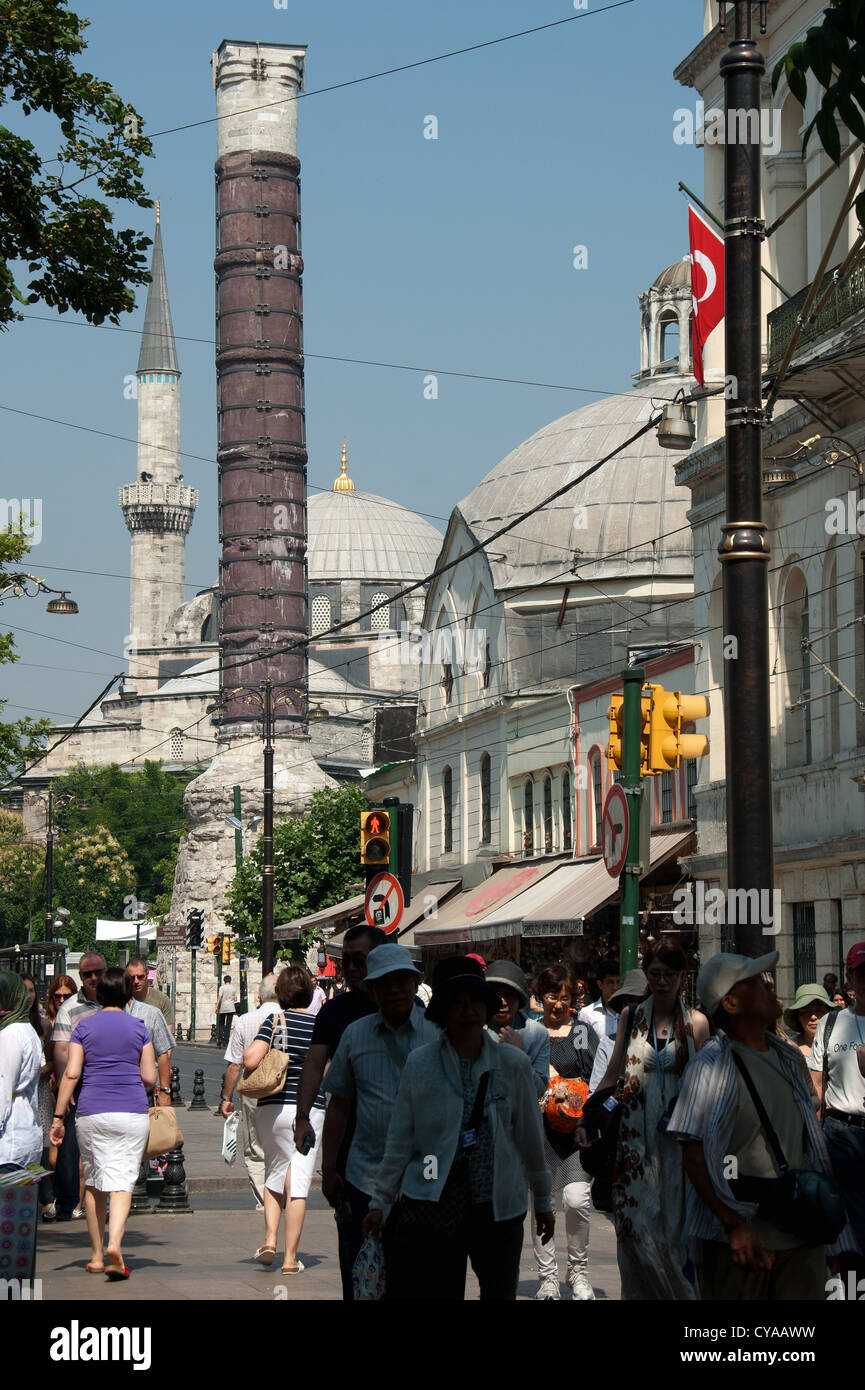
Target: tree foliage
834 52
315 862
142 809
76 257
20 741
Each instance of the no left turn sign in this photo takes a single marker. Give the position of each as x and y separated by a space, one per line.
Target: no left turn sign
615 831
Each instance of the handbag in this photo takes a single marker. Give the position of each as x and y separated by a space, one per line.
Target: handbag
367 1272
268 1078
800 1201
445 1219
164 1134
602 1114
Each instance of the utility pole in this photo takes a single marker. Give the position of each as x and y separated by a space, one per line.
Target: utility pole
49 869
194 956
238 861
267 838
632 714
744 547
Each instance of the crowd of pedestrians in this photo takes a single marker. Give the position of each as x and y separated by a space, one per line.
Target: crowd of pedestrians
728 1150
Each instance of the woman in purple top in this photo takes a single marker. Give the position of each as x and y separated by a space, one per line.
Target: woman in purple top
112 1056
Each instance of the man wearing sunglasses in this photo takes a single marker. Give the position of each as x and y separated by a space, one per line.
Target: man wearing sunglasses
148 994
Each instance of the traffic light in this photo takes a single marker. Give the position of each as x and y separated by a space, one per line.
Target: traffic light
227 953
616 717
376 829
194 928
211 945
668 746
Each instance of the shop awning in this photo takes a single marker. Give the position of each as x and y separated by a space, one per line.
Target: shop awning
423 906
534 898
329 918
464 918
592 888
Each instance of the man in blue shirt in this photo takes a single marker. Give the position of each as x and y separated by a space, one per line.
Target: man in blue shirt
366 1070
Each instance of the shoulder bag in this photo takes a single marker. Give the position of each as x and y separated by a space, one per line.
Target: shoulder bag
602 1116
268 1078
446 1218
164 1134
800 1201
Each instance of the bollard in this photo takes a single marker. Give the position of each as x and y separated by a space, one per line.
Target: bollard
140 1200
178 1033
176 1097
198 1102
175 1193
213 1032
221 1093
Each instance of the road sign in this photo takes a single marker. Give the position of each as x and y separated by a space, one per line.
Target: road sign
171 934
385 903
615 836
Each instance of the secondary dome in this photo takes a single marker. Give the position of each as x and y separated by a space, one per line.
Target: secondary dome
676 275
356 535
628 517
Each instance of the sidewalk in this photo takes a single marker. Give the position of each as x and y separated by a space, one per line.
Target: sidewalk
208 1255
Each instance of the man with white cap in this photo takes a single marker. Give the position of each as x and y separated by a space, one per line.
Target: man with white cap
744 1075
365 1073
836 1061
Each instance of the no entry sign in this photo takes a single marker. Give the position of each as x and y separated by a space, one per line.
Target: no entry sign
385 903
615 831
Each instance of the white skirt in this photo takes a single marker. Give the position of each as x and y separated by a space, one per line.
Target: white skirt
275 1125
112 1146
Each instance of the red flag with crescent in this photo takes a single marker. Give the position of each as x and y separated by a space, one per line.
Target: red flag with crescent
707 284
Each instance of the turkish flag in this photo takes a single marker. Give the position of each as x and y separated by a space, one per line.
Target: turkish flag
707 284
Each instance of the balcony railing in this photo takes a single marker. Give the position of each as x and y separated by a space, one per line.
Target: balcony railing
846 300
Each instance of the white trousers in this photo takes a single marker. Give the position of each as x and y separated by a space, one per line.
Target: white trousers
577 1203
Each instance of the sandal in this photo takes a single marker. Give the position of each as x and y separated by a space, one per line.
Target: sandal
117 1272
264 1254
94 1269
298 1268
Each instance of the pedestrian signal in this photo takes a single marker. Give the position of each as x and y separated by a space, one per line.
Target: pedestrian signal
616 717
375 838
211 945
670 710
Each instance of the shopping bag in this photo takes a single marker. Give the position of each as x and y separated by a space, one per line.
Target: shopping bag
367 1275
229 1137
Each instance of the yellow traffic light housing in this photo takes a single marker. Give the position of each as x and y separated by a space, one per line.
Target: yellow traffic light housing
616 716
226 950
375 832
670 710
211 945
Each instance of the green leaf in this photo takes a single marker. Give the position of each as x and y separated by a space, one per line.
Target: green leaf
819 57
830 136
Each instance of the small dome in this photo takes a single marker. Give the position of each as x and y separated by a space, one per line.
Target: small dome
677 275
356 535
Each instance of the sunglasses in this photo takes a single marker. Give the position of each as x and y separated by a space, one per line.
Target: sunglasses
61 997
136 977
91 974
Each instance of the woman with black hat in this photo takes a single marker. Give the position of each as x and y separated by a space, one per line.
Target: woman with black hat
464 1142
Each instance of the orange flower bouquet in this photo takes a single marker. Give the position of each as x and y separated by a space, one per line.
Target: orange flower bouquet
562 1103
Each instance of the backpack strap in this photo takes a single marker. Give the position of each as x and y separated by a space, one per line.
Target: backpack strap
827 1033
774 1145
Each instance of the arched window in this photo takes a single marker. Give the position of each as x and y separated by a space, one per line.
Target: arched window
176 743
320 614
597 796
447 810
529 817
669 338
797 663
380 620
548 815
567 832
486 800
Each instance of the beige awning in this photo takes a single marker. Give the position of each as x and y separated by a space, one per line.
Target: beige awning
464 917
337 916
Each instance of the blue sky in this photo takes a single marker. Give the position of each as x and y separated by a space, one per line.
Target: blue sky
455 253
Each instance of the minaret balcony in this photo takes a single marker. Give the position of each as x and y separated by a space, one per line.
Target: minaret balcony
158 506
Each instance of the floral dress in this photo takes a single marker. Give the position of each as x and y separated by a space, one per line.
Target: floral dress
649 1180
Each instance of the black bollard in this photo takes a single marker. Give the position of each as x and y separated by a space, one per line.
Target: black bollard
176 1097
213 1032
140 1200
198 1102
178 1032
175 1193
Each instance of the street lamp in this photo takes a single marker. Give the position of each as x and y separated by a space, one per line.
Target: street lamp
16 587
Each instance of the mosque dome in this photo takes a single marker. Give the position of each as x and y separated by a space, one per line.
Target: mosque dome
356 535
676 276
628 519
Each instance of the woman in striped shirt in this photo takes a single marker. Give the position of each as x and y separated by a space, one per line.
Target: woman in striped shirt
288 1171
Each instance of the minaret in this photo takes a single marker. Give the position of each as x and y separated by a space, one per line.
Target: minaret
158 508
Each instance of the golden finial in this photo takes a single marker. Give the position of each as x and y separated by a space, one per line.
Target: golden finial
157 212
343 483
